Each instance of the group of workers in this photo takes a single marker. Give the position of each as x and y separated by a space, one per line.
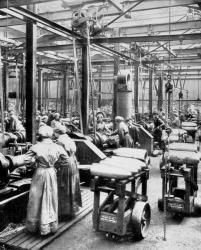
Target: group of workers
127 130
55 188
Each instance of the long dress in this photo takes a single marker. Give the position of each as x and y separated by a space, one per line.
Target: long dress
69 181
42 210
125 140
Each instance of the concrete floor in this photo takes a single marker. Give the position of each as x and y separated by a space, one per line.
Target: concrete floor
181 234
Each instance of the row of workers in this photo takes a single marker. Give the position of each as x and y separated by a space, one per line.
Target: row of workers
55 187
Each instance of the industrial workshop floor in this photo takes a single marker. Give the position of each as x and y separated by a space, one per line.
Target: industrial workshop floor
183 234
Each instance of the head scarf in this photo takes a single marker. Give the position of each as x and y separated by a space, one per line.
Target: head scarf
60 129
45 132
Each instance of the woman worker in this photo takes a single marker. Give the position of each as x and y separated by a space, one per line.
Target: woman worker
42 210
68 178
125 140
101 125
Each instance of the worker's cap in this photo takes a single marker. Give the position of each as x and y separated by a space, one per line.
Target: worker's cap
11 109
129 119
118 119
56 114
60 129
155 113
44 118
100 114
45 131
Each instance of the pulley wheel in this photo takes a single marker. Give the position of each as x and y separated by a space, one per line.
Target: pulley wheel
3 220
141 217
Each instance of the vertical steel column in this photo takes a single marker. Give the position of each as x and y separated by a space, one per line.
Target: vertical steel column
150 91
31 34
40 82
116 70
1 97
136 88
65 79
85 88
5 85
100 88
160 92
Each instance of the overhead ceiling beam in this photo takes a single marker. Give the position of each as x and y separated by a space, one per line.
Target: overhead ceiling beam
189 51
146 38
150 4
23 14
118 17
116 4
14 3
78 3
183 70
177 60
160 27
65 15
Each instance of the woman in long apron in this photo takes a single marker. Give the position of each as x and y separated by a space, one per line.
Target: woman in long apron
125 139
68 178
42 210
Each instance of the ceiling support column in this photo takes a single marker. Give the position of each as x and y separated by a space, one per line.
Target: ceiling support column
85 88
150 92
5 85
160 92
31 34
136 88
64 92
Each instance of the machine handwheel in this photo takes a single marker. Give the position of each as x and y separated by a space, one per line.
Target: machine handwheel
3 220
141 217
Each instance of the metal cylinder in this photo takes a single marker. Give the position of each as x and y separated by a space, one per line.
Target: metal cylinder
4 171
124 94
21 136
4 163
6 138
124 104
15 161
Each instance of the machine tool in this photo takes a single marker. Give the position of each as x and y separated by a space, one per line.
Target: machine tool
15 179
125 210
179 179
191 128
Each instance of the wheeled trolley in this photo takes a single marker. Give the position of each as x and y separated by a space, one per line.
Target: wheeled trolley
180 199
123 210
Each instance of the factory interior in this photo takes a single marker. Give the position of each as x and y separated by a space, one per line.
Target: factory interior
100 118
